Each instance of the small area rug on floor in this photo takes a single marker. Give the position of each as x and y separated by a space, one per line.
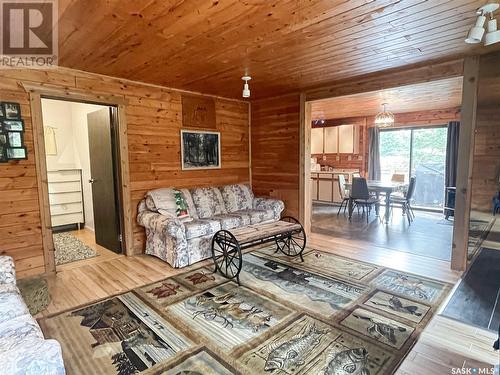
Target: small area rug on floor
35 292
68 248
327 315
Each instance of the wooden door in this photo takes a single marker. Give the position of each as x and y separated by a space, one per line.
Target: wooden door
102 170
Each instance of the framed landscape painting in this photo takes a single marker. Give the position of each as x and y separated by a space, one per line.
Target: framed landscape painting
200 150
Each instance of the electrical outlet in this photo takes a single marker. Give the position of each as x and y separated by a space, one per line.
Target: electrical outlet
349 158
360 157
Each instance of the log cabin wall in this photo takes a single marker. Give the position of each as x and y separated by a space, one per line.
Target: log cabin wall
154 120
486 162
402 120
275 149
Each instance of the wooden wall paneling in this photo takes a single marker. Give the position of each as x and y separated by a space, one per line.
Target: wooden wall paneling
486 164
427 96
276 150
153 117
464 169
388 79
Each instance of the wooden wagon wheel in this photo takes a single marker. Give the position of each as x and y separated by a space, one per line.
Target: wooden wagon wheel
226 254
294 244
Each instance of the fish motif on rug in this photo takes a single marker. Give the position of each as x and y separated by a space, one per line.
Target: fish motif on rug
348 362
291 353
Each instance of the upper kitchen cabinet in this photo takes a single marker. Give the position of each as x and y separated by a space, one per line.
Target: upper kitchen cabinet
343 139
317 135
331 140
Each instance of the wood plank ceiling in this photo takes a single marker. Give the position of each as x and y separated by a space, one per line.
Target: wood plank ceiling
442 94
285 45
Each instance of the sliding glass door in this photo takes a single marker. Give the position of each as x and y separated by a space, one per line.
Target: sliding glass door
418 152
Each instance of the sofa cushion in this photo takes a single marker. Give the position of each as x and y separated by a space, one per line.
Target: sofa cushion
208 202
256 216
15 331
7 270
36 357
168 202
198 228
237 197
11 306
231 221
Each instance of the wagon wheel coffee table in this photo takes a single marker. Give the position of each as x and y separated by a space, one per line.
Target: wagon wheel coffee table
288 234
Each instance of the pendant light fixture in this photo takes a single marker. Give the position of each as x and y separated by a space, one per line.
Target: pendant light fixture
246 89
477 32
384 118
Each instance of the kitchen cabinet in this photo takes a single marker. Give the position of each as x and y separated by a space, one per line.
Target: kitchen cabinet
343 139
317 136
332 140
325 184
346 139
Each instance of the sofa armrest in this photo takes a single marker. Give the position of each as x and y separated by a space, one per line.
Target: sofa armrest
33 356
7 270
160 223
269 204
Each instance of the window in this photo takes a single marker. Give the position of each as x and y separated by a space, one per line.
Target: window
419 152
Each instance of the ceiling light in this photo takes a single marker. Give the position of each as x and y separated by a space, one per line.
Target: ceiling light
384 118
246 89
476 33
493 35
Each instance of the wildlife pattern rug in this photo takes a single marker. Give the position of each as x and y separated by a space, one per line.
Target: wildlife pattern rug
328 315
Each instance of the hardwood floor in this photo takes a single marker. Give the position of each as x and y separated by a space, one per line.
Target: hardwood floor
443 344
428 235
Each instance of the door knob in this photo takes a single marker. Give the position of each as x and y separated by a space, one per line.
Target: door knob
91 180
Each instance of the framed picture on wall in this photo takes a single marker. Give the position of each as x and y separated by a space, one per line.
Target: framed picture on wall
200 150
11 111
13 125
17 153
3 147
15 139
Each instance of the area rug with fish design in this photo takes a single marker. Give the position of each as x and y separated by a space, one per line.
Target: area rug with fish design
328 315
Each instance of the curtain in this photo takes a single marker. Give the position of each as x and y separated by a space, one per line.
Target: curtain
374 154
450 177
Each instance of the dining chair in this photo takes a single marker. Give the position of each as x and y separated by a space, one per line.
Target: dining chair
405 202
361 195
344 193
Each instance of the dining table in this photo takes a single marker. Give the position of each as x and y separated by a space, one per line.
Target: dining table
379 187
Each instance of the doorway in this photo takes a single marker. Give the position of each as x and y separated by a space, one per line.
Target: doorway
83 178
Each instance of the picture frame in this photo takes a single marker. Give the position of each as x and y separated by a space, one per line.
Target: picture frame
3 154
16 153
3 147
15 139
11 111
13 125
200 149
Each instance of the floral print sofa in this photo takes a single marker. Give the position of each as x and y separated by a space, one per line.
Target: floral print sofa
23 350
181 243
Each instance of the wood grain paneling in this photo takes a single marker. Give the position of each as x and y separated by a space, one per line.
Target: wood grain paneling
285 46
275 150
154 120
486 163
426 96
